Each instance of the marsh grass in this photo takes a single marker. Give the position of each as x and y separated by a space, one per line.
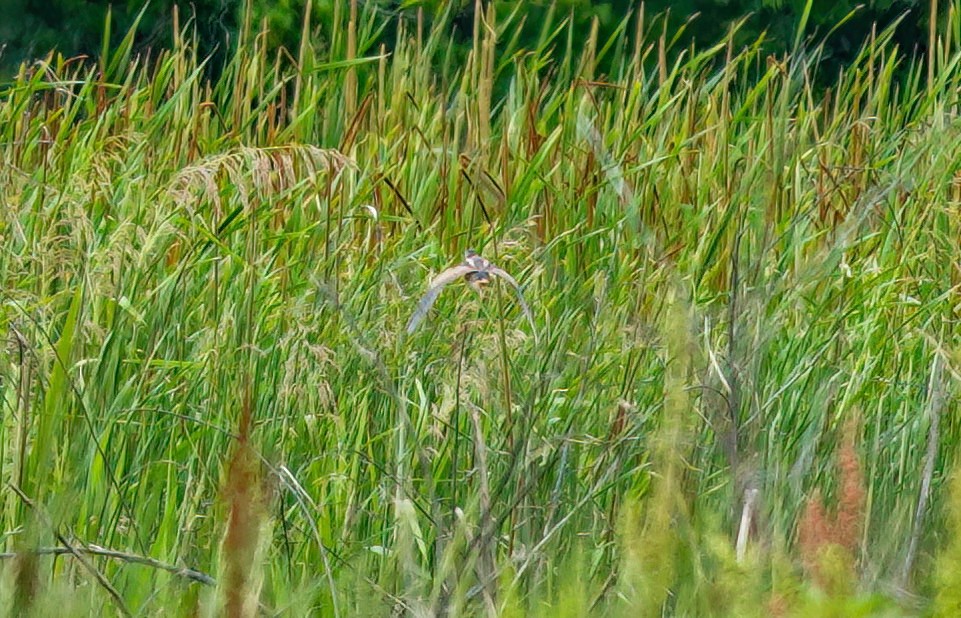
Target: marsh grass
204 287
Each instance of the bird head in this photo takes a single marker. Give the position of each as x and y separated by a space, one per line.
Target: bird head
479 279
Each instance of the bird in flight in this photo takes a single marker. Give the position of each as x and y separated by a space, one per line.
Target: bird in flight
477 271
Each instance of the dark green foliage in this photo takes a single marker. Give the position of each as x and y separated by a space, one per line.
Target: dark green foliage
30 30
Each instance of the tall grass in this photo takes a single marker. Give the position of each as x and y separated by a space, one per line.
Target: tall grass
209 405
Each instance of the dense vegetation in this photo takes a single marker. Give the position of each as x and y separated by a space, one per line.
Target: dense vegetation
737 396
29 30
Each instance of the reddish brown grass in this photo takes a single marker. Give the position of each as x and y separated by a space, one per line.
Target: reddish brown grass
778 605
821 532
241 540
26 583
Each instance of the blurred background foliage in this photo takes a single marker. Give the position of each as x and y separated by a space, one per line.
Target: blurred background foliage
30 30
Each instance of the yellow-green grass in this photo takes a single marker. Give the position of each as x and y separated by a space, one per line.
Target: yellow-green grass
204 289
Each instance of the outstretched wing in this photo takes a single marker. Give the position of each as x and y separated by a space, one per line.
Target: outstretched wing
436 286
494 270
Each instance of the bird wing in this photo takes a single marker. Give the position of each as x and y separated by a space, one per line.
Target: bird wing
436 286
494 270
